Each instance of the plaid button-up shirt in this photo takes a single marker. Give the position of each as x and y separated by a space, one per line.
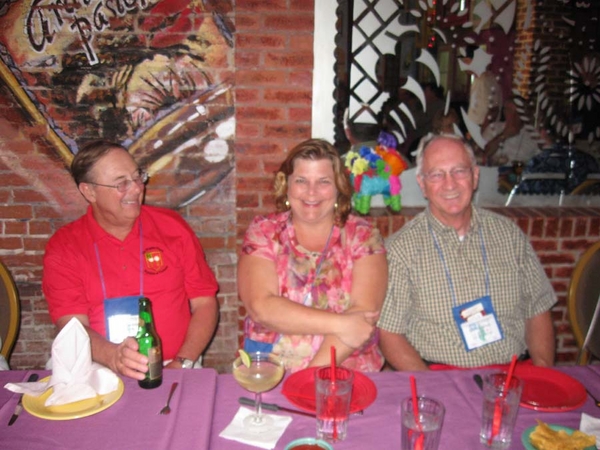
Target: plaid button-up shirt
419 299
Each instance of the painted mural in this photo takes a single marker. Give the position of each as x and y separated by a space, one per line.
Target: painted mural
153 75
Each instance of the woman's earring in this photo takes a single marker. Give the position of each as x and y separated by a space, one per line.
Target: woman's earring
287 204
335 206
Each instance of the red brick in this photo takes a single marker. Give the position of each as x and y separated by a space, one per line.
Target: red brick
253 184
261 5
288 97
11 243
576 244
39 227
5 194
537 228
257 149
15 212
257 113
28 196
289 131
291 61
594 227
259 77
258 41
244 96
14 180
563 272
247 22
544 245
566 227
247 165
564 258
301 79
247 201
300 114
34 244
580 227
290 22
271 167
247 59
303 42
247 130
551 229
15 227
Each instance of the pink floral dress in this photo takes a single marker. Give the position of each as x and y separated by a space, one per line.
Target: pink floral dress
273 237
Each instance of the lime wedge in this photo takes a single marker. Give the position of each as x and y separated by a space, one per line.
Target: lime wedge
246 360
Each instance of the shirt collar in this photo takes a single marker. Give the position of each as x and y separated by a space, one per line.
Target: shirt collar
441 229
98 233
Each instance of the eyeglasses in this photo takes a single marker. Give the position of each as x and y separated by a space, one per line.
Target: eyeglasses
123 186
458 173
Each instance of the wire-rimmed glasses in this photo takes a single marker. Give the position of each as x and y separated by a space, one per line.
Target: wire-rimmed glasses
124 185
457 173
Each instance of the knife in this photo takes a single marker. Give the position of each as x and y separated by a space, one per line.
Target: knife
273 407
19 407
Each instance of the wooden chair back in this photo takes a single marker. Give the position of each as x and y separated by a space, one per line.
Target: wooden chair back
10 312
583 305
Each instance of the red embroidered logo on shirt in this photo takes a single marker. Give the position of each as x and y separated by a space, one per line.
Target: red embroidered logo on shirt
153 258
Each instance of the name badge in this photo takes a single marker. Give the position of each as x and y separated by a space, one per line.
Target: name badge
477 323
121 317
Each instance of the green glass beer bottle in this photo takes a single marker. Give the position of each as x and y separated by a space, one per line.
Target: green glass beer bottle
149 343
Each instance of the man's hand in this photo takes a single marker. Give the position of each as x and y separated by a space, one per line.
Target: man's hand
127 361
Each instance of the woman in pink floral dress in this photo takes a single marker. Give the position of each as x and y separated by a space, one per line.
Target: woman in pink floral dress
311 275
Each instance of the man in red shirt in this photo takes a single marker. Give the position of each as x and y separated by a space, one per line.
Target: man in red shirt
121 248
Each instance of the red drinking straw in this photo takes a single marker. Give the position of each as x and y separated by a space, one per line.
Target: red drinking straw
497 420
415 405
333 377
332 364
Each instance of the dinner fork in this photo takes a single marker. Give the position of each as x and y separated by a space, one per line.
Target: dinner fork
167 409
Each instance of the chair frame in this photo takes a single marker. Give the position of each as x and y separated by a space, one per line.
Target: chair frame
15 308
584 355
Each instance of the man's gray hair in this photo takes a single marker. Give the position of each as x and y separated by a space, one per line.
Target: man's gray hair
430 138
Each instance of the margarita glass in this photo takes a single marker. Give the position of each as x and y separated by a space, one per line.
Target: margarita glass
265 372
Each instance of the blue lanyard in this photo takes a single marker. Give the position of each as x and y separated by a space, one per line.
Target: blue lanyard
447 270
141 264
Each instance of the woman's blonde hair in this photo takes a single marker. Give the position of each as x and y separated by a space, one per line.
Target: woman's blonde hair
315 150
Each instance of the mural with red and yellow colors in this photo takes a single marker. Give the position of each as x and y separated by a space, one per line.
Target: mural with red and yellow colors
154 76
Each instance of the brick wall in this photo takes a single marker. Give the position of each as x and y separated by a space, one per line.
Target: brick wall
273 87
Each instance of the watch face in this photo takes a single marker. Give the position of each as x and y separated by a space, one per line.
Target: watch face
186 363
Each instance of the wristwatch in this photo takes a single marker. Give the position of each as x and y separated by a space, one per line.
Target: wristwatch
185 363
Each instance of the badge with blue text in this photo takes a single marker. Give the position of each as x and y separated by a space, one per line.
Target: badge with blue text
477 323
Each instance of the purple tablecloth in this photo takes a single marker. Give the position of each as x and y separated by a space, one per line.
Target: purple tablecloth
379 427
131 423
205 403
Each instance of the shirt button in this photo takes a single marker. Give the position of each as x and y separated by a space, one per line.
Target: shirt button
124 267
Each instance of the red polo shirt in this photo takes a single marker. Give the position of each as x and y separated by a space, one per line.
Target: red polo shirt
174 271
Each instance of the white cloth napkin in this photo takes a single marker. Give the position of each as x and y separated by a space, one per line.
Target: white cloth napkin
74 376
266 439
590 425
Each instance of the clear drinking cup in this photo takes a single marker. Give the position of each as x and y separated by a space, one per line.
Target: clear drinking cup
500 407
333 402
429 427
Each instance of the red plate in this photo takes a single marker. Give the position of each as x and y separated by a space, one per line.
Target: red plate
549 390
299 388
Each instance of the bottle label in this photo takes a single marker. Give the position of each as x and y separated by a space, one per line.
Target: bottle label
154 363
